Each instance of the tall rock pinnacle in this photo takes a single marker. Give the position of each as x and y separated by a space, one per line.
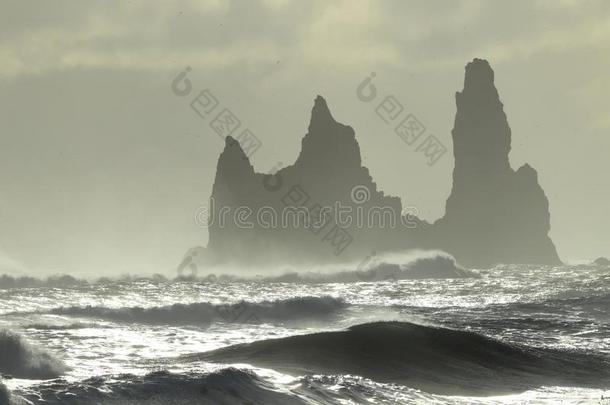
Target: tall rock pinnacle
494 214
481 135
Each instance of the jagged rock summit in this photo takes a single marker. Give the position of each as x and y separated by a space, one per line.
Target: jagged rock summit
325 174
494 214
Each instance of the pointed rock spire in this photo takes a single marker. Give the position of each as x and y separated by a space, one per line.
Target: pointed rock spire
233 147
233 163
481 134
329 143
478 75
321 116
494 214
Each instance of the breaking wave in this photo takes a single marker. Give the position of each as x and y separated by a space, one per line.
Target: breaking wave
225 386
391 266
432 359
293 309
425 265
57 326
7 281
21 360
412 265
68 281
5 396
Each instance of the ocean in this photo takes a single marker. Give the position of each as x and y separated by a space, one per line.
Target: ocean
511 335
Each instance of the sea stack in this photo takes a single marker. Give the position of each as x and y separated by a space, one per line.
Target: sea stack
494 213
327 173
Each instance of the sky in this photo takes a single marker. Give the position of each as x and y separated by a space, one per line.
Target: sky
103 168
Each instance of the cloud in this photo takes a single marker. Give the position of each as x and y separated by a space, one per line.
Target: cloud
141 35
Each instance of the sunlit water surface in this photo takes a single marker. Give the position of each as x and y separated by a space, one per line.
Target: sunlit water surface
564 307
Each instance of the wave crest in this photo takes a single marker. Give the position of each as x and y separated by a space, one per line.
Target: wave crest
389 266
225 386
292 309
432 359
21 360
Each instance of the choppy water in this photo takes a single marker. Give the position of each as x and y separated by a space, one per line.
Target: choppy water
138 341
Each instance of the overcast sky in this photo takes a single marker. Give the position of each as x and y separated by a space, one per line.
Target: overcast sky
102 167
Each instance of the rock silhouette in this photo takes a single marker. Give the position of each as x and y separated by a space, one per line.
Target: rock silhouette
326 172
493 215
